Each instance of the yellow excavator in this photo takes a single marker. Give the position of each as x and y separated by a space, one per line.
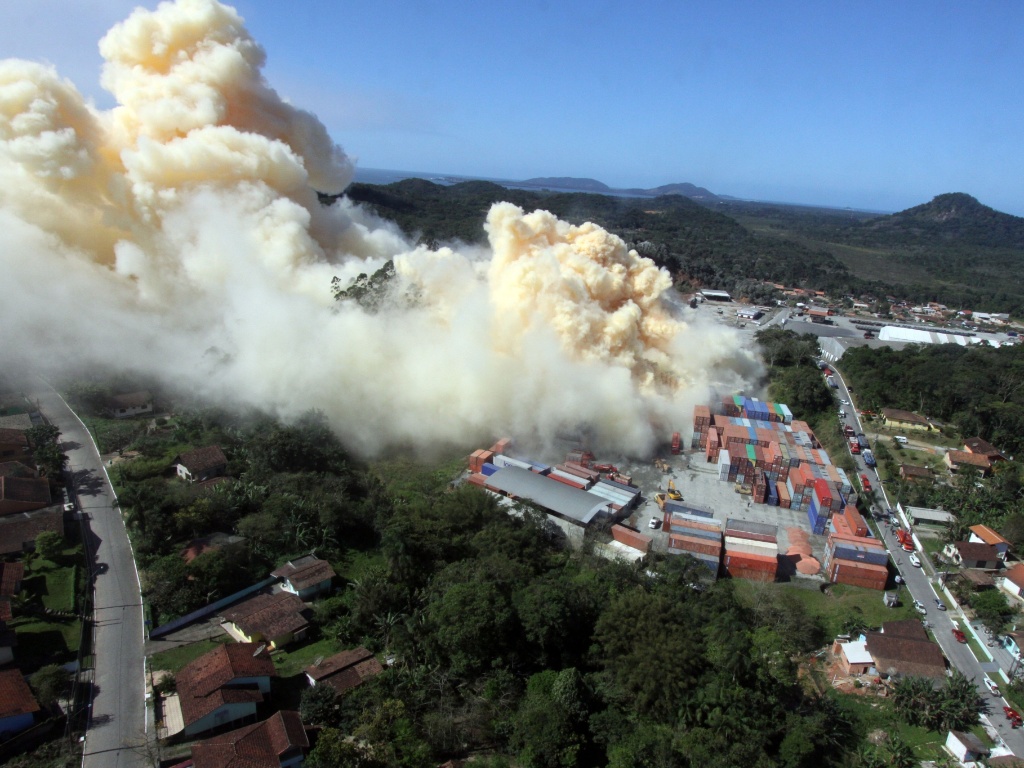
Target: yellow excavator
672 492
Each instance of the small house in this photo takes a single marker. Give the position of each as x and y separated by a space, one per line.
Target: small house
984 448
896 418
982 534
966 747
13 444
853 656
129 404
23 494
278 742
902 649
201 464
954 460
18 706
344 671
306 577
970 555
223 686
277 619
915 474
18 532
1012 581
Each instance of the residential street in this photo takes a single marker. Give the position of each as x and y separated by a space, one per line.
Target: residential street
920 584
116 734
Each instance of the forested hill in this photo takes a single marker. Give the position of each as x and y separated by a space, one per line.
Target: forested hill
700 246
953 250
950 218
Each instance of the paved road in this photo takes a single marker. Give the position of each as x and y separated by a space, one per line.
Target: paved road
117 725
920 584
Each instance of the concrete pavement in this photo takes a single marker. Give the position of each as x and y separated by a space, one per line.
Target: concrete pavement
921 583
117 732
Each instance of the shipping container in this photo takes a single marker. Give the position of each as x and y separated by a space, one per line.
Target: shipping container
695 544
860 555
570 480
477 479
856 521
735 524
732 548
631 538
488 469
501 460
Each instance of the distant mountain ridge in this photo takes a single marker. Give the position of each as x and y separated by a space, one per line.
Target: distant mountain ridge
599 187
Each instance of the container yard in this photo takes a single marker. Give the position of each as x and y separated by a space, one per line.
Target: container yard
754 496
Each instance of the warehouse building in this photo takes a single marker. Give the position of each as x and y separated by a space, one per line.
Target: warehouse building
569 508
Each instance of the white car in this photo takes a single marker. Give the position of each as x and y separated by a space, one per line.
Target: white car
655 522
992 687
915 560
919 607
844 402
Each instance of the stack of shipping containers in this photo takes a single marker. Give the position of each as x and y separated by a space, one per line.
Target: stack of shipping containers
701 426
695 532
621 497
856 560
751 550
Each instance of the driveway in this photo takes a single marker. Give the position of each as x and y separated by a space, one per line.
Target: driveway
116 734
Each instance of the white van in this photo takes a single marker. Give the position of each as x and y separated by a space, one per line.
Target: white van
900 439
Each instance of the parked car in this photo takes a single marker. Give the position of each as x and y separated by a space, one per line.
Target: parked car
959 636
990 684
939 604
655 522
919 607
914 560
844 402
865 483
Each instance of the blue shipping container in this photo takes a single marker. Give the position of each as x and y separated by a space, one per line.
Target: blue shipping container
488 469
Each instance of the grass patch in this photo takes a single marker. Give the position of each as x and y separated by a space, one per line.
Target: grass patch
356 563
45 641
411 479
836 607
876 714
292 660
112 435
176 658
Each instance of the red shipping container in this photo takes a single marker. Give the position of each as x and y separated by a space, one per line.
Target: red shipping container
695 544
631 538
477 479
566 481
856 521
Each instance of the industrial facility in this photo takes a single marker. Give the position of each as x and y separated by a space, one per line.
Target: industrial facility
753 447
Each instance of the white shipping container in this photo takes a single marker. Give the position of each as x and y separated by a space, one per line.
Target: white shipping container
500 460
738 541
748 549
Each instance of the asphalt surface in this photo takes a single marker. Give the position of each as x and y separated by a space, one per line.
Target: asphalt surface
921 586
116 735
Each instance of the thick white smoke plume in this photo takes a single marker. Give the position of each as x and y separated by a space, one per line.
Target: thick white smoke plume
186 219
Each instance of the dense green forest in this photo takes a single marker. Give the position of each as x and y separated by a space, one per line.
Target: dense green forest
978 390
953 249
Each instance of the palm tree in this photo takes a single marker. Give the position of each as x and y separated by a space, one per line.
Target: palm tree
901 754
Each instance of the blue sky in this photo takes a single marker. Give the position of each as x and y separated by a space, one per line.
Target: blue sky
869 104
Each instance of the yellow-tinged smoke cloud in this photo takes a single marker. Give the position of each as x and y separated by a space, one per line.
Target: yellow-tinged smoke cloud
186 219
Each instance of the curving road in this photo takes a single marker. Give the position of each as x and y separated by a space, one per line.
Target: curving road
116 735
921 587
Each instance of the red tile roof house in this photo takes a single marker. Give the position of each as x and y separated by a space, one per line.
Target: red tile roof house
18 706
969 555
1012 581
278 742
306 577
903 649
982 534
201 464
276 619
956 459
11 575
223 686
13 444
344 671
23 494
18 532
